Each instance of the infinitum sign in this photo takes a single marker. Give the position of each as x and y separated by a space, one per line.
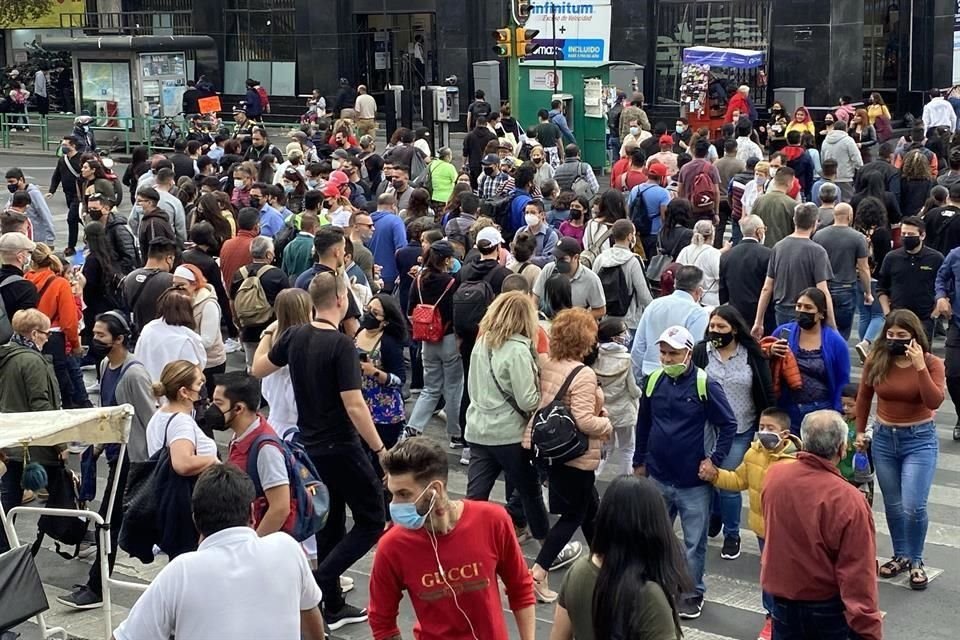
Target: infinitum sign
571 30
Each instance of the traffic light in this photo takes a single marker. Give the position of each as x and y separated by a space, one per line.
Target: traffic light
524 43
503 48
521 11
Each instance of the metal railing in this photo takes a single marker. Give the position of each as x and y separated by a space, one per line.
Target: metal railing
134 23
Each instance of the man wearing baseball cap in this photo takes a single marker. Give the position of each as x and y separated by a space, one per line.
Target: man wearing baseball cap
654 198
17 293
665 156
493 182
585 286
684 424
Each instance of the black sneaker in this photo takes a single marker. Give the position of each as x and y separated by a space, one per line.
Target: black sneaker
348 614
690 608
82 597
456 442
716 526
956 432
731 548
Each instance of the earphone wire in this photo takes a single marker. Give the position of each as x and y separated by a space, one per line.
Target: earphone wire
443 575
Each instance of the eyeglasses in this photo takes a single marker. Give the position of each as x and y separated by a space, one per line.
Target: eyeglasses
365 224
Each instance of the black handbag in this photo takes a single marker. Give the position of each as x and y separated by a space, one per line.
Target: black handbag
555 436
64 489
21 590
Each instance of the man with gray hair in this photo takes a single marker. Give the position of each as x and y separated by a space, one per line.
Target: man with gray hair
260 276
797 262
829 197
819 558
743 270
847 250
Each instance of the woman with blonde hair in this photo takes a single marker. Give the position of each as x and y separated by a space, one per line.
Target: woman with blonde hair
701 253
756 187
206 319
504 386
573 494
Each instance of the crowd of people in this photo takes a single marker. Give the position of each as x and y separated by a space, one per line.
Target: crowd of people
556 331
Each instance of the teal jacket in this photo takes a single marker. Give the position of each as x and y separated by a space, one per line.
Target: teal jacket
491 420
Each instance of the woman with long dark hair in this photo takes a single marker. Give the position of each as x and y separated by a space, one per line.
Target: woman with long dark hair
137 167
610 208
730 355
627 587
909 383
871 220
676 232
208 210
102 279
916 180
93 179
418 207
873 186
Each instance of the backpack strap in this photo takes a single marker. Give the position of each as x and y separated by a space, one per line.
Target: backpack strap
566 383
652 381
599 241
143 285
254 452
654 378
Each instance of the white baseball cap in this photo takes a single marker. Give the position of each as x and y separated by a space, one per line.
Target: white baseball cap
490 236
677 337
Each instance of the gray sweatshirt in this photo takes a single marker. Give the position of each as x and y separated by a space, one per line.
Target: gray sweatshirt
134 388
840 147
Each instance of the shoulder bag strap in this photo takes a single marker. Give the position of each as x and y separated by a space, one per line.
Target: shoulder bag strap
166 429
419 291
46 285
445 289
596 244
506 396
566 383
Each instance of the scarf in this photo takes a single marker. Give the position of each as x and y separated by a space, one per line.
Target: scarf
24 342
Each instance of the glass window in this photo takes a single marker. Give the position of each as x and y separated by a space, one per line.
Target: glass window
105 91
881 44
725 23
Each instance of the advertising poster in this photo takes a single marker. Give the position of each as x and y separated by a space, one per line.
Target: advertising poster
571 30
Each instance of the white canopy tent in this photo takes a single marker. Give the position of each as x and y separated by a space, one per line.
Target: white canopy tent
104 425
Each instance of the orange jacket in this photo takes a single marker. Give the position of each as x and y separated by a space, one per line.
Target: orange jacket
785 368
57 303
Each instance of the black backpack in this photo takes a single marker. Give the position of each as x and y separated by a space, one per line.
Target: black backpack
554 435
288 232
498 209
64 489
470 303
638 213
615 290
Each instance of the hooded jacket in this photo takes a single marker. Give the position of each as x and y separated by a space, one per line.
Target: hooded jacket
840 147
802 164
637 289
389 236
39 214
749 475
206 316
27 384
620 391
123 247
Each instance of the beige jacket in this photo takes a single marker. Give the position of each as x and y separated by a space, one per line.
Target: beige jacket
585 400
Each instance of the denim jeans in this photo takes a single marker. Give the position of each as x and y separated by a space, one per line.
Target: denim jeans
486 463
870 319
808 620
844 303
442 376
952 357
736 235
765 597
729 504
906 460
692 504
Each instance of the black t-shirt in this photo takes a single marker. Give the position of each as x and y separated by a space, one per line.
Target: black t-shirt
153 282
479 109
323 363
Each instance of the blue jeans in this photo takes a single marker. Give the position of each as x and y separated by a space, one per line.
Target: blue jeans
906 460
730 503
844 303
870 320
798 411
808 620
736 235
442 376
692 504
765 597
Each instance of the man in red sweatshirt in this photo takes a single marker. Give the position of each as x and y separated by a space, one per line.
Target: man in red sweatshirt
447 554
819 561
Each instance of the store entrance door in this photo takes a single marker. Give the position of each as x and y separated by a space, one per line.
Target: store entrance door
397 48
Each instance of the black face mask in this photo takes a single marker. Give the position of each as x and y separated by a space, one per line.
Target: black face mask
99 350
256 202
399 185
369 321
591 358
720 340
488 171
576 214
897 347
564 267
215 419
806 319
910 243
95 215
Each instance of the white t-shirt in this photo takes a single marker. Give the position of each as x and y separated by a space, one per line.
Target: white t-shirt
161 343
182 427
277 389
236 585
707 259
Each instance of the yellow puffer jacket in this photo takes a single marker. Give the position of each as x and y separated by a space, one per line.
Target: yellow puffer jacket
751 472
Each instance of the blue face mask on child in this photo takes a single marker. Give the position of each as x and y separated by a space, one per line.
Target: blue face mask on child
405 514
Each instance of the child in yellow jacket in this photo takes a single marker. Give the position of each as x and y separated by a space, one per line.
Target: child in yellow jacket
774 444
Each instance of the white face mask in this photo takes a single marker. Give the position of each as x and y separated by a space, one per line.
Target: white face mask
773 171
238 184
531 220
634 130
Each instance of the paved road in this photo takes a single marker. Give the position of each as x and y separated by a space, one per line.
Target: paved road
732 611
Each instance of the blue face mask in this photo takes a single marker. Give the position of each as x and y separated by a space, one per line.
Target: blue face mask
405 514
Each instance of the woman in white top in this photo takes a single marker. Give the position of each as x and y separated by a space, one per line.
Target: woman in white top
757 187
702 254
610 208
206 318
173 426
171 336
294 160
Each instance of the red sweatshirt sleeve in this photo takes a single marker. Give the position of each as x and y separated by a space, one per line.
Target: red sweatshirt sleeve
386 591
856 570
511 567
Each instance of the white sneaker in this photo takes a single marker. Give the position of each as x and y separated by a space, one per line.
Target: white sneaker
346 584
93 388
570 552
232 346
465 456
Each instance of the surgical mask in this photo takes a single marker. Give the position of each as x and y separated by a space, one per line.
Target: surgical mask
405 514
680 128
564 267
531 219
634 131
99 350
591 358
773 171
806 319
12 188
369 321
238 184
770 440
720 340
897 346
215 419
64 149
312 184
675 370
256 202
288 188
910 243
760 180
335 163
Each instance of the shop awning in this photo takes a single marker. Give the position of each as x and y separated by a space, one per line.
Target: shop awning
126 43
717 57
99 425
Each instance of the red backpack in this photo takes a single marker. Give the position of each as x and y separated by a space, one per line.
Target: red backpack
426 321
702 194
264 99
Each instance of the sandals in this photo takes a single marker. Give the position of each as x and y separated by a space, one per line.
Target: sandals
543 593
893 567
918 577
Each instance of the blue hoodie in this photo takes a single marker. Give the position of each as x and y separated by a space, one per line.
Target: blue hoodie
389 236
676 430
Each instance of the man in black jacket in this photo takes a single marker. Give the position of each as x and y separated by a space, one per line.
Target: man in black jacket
67 174
743 270
16 292
884 166
474 144
183 165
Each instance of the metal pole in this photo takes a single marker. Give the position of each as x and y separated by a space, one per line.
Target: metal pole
553 11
